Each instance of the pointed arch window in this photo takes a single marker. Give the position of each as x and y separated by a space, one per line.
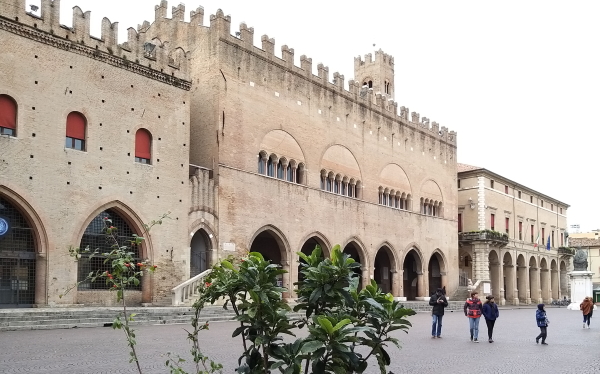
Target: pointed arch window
76 130
8 116
97 240
143 146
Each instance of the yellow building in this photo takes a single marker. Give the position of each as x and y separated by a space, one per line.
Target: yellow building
510 238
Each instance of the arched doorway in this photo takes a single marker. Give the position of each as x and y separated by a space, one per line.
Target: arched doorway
411 272
308 247
436 268
545 281
267 245
17 258
522 278
384 269
509 279
96 239
199 253
534 280
355 252
272 248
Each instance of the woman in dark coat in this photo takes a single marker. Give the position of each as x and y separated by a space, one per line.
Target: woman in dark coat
542 322
490 313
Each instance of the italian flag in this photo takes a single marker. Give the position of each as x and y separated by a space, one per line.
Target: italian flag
537 241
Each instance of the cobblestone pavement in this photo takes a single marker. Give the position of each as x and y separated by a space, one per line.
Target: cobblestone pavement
571 348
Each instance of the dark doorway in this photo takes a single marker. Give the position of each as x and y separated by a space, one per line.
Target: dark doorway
308 247
410 276
199 253
266 244
383 269
17 258
435 274
353 250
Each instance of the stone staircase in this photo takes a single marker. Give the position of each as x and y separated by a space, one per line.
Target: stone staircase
462 293
66 318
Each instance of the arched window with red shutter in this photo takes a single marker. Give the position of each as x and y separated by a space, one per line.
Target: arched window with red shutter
8 116
76 128
143 146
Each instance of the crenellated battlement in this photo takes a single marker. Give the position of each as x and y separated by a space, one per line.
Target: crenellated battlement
163 46
380 57
164 61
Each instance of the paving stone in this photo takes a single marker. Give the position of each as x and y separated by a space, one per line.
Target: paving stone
103 350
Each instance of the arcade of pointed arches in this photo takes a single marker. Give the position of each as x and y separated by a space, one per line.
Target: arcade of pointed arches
408 274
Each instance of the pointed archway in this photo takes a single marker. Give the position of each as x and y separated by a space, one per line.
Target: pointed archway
412 275
271 244
17 257
354 250
384 268
199 253
437 272
308 247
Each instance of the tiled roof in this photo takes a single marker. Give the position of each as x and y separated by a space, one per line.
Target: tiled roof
464 167
583 242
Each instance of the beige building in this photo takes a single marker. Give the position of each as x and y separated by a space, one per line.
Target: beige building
245 150
510 238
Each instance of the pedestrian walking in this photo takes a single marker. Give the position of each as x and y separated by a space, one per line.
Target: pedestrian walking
473 310
438 301
542 322
587 308
490 313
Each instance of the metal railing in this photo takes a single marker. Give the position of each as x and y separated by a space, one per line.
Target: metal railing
188 290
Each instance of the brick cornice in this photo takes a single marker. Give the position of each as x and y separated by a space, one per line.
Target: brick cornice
70 46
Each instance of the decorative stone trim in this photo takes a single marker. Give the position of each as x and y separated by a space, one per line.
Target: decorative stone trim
70 46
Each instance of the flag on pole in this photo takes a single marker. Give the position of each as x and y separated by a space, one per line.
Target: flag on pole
548 243
537 240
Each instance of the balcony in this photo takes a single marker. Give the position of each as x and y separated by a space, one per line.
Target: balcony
493 237
566 251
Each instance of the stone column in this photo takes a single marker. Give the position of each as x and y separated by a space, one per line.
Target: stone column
366 279
40 279
554 284
534 285
286 279
421 284
396 283
511 292
545 286
480 266
523 284
444 279
401 291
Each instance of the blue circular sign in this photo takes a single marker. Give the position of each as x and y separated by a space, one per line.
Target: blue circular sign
3 226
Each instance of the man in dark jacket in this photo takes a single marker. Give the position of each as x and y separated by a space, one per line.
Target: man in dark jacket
438 301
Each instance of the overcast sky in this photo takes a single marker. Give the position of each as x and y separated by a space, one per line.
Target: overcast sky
517 80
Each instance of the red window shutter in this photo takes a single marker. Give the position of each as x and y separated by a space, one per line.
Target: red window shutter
143 141
8 112
493 220
76 124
